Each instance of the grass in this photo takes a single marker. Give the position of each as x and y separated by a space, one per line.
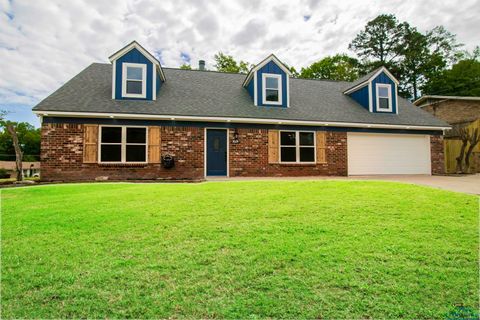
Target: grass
302 249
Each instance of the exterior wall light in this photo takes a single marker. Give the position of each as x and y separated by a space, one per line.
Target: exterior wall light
235 137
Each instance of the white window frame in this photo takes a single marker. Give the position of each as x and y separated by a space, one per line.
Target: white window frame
297 147
125 65
389 87
123 143
264 88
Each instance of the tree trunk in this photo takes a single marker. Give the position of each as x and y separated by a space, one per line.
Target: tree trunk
474 139
459 159
18 151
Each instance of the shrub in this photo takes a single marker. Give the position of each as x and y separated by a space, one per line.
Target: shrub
4 174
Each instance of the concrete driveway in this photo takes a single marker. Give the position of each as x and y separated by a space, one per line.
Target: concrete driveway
465 184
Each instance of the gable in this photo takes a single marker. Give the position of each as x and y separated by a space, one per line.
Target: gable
272 71
134 56
136 74
376 87
383 78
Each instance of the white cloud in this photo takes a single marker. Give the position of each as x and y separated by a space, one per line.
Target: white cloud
43 43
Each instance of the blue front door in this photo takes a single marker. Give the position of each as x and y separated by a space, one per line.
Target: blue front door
216 152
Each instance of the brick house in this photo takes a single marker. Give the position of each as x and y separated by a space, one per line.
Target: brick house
458 111
134 119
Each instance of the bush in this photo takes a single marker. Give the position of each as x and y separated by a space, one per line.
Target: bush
4 174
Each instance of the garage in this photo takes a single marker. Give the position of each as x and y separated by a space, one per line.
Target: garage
374 153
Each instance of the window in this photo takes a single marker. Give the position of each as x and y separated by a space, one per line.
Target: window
272 88
384 97
297 146
123 144
134 80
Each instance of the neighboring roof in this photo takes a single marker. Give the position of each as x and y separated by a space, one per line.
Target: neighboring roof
360 82
215 94
11 165
419 101
260 65
148 55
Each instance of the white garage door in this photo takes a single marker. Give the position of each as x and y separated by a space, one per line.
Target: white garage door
372 153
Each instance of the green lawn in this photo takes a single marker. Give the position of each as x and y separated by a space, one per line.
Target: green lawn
304 249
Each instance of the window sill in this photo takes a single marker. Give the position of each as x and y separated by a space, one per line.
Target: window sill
286 164
132 164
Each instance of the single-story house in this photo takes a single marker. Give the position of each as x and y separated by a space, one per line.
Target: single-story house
134 119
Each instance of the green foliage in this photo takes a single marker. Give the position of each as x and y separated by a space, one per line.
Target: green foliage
463 79
29 138
413 57
238 250
337 67
380 39
4 174
226 63
186 67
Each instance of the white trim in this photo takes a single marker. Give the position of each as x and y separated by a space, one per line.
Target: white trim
288 92
239 120
383 69
125 65
396 99
114 71
154 80
260 65
357 87
370 99
279 89
255 90
123 145
205 150
441 98
148 55
297 147
377 97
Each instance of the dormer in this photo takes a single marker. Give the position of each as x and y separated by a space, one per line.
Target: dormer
268 83
377 91
136 73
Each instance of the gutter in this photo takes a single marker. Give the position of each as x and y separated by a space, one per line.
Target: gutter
233 119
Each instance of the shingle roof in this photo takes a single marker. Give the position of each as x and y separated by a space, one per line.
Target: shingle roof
363 79
215 94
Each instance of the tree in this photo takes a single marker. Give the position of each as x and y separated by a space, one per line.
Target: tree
413 57
338 67
473 139
29 139
186 67
11 129
415 61
379 40
226 63
463 79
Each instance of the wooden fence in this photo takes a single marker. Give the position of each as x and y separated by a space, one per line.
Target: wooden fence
452 150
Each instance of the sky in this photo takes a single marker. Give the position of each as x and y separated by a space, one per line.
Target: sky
44 43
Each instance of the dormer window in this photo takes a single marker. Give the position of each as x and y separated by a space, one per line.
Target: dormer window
134 80
384 97
272 88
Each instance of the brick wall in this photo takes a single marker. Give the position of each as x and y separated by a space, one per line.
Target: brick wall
250 157
62 156
436 151
455 111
